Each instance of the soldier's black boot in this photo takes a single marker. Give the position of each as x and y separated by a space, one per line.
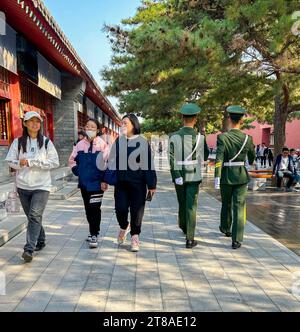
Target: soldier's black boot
227 234
191 244
236 245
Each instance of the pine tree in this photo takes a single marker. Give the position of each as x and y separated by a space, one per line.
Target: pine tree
212 52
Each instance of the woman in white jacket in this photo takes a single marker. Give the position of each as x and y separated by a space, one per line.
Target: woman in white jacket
33 156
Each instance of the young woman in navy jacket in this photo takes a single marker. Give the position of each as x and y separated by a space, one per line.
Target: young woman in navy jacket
136 177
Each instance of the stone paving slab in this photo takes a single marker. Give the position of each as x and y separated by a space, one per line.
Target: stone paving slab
163 276
11 226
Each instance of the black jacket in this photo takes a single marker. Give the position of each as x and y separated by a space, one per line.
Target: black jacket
133 160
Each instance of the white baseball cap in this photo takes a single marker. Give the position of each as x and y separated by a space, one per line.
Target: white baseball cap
32 114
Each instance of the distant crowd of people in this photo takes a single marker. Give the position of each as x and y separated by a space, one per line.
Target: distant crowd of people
286 165
264 154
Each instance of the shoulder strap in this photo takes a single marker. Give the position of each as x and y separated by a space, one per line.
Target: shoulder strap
46 143
195 149
19 145
242 148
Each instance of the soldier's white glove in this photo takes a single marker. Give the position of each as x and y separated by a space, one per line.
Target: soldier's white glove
217 183
179 181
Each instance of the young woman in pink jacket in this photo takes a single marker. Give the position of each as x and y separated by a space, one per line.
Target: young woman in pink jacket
83 162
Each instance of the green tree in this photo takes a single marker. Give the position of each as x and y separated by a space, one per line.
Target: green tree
269 50
214 53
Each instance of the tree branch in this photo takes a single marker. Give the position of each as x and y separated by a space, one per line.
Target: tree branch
290 70
294 108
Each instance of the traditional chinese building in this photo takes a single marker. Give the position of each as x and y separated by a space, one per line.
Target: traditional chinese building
41 71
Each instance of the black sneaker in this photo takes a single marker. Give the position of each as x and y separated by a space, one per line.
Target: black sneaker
227 234
39 246
236 245
27 256
191 244
94 242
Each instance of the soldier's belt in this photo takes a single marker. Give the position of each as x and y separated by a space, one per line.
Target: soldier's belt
234 163
187 162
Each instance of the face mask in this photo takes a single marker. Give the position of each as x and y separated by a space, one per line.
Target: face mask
91 134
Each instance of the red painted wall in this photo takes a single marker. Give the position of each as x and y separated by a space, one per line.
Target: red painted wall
15 121
293 134
260 134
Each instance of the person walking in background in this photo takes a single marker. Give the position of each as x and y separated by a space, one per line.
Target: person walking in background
296 160
33 156
257 158
284 167
132 159
83 162
160 148
81 136
231 176
270 157
262 155
266 153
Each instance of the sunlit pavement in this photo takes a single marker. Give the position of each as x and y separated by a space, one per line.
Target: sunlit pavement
276 213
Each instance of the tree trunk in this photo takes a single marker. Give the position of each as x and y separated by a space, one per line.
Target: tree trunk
280 119
224 122
202 126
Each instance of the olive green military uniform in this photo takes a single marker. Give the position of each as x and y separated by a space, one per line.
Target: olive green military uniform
182 144
233 178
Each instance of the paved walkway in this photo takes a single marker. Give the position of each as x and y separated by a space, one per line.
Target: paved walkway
163 276
277 214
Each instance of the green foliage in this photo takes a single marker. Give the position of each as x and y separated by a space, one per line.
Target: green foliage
159 126
214 53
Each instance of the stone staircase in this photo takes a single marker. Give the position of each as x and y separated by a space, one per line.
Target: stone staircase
64 185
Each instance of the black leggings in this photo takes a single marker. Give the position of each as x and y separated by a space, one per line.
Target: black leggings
130 196
92 203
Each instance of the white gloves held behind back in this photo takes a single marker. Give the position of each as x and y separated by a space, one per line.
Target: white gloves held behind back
217 183
179 181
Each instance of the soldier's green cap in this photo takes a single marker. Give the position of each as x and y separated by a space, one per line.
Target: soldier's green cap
190 109
235 109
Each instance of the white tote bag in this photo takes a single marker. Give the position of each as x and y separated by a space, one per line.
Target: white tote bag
13 202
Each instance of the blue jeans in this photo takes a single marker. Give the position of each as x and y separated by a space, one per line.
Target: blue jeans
297 178
34 203
285 174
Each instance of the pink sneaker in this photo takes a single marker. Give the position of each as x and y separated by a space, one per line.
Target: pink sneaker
123 234
135 243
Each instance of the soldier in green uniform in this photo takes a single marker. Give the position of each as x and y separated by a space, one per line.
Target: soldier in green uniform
187 150
231 175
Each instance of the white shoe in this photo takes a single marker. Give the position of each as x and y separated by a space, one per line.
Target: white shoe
94 242
89 238
135 243
123 234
